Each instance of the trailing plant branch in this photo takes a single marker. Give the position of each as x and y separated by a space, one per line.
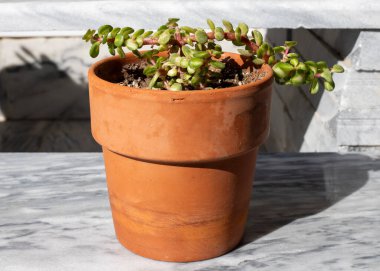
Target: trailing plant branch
194 56
178 40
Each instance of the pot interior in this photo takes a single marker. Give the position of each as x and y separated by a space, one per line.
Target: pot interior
111 70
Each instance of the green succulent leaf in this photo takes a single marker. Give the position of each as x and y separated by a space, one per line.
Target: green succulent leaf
111 48
164 37
271 60
245 52
211 45
211 24
140 41
265 47
119 40
258 61
294 62
244 29
228 25
337 69
172 57
176 87
177 61
314 87
114 32
238 34
159 61
132 44
202 54
153 81
297 79
270 51
173 20
321 65
188 29
201 36
311 63
196 62
329 86
196 79
146 34
105 29
258 37
172 72
184 63
138 33
163 48
292 55
290 43
238 43
279 49
137 53
216 54
217 64
282 70
88 35
104 40
120 52
219 34
260 52
189 41
326 74
126 31
218 48
190 70
302 67
162 28
150 70
149 54
186 51
312 66
94 50
186 77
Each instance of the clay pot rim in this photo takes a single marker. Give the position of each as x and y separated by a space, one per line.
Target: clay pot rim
236 91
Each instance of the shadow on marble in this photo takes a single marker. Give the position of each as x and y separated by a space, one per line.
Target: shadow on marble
45 109
301 186
40 89
47 136
293 123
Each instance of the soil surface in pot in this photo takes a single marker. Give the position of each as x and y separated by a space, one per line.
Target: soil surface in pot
232 75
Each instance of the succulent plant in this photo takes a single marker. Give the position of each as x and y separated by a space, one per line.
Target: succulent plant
194 57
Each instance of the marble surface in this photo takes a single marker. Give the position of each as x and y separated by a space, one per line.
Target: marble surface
308 212
47 136
52 18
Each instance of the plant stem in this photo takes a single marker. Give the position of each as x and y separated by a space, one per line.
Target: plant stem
178 40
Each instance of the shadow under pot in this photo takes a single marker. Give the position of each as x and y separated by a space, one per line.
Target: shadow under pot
179 165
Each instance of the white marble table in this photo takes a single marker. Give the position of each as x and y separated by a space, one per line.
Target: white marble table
308 212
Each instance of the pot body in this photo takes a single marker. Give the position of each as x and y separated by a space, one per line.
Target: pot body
179 165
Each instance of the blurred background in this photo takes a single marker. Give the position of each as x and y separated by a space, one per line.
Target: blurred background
43 68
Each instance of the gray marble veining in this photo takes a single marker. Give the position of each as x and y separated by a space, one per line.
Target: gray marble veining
308 212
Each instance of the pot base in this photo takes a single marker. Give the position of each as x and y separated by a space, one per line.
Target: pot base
179 212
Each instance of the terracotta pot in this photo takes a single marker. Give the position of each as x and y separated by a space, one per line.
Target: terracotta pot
179 165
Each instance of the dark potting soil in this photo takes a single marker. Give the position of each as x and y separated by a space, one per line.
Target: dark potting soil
232 75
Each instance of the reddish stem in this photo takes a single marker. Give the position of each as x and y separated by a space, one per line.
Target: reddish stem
180 41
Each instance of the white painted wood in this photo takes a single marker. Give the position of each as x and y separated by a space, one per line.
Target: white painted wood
51 18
